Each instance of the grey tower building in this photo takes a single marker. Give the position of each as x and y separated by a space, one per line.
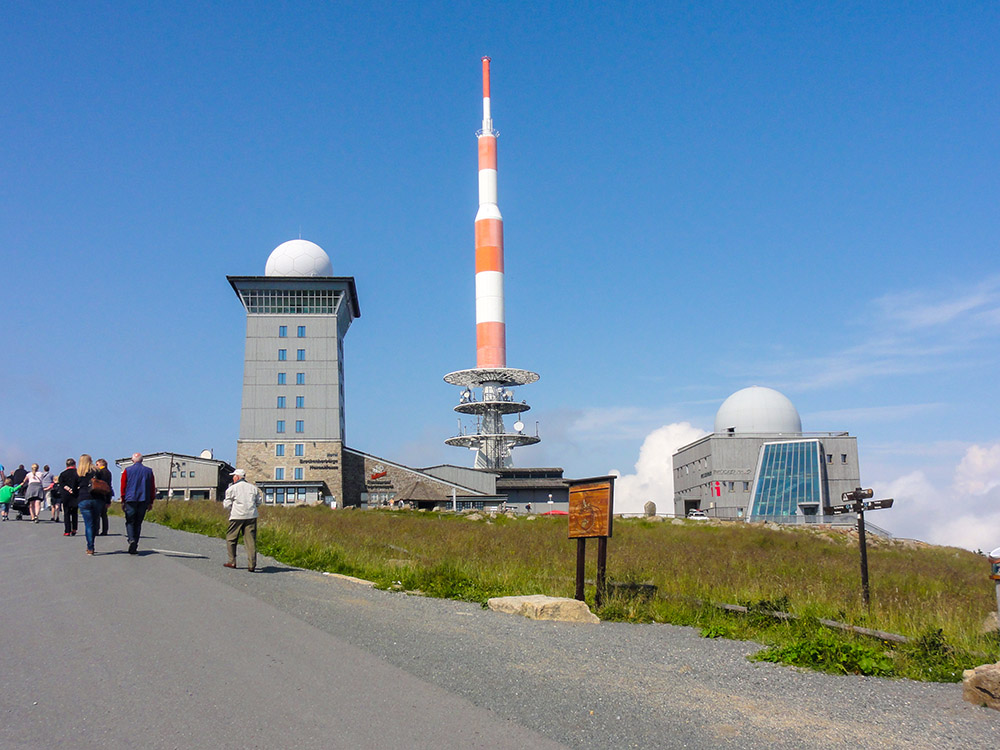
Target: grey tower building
292 423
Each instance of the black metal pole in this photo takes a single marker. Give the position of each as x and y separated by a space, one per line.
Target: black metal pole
602 568
581 559
862 543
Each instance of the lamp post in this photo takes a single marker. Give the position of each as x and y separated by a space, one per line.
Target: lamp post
170 474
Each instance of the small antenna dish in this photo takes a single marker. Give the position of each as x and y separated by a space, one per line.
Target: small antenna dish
519 426
206 453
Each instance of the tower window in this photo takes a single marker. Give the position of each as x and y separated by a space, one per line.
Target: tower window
300 355
279 449
282 332
281 402
302 332
843 458
282 355
280 426
300 425
281 378
300 402
279 472
300 449
298 473
300 378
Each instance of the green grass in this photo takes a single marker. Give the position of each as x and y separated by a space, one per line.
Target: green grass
937 596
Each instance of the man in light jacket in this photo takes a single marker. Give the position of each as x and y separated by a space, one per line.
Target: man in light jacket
243 499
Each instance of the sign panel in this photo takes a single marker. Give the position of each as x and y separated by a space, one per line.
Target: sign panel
878 504
591 506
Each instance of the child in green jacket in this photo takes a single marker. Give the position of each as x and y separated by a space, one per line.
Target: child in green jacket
6 493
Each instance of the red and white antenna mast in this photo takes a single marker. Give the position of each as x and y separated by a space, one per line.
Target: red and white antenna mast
490 439
491 330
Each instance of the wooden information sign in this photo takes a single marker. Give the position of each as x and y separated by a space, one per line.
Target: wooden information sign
591 505
591 509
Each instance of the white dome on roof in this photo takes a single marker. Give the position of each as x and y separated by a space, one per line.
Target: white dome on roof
298 258
758 409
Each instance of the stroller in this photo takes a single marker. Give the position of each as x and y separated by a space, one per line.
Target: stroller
19 505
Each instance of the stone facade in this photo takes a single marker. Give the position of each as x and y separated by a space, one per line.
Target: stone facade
322 461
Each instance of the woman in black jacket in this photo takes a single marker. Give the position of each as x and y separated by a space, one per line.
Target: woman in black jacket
88 498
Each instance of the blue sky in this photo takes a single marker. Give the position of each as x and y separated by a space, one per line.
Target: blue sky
696 197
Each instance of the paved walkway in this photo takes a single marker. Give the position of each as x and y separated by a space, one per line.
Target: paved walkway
168 649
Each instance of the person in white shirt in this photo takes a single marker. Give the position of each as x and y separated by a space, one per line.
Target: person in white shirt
35 493
243 499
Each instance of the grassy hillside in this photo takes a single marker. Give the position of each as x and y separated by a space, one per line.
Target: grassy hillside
936 596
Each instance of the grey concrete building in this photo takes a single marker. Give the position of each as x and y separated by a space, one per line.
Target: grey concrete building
758 464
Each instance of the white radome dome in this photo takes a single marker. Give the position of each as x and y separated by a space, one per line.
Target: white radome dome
298 258
758 409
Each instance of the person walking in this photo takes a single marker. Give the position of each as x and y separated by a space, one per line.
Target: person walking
68 480
19 474
243 498
51 492
48 482
101 521
138 490
34 493
6 494
88 497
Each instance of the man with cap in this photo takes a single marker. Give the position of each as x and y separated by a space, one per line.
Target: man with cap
243 499
138 491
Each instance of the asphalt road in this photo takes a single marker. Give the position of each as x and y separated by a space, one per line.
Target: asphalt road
167 649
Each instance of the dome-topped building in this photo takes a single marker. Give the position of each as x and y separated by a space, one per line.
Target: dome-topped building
760 410
758 464
298 258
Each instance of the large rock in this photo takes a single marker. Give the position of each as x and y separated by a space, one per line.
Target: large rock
649 508
982 685
538 607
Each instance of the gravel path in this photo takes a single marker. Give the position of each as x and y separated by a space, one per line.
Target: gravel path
607 685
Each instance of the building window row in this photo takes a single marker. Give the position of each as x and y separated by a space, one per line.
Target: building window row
298 473
300 426
300 449
300 377
300 402
283 332
290 301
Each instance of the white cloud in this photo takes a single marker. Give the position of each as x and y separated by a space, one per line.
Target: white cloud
979 471
965 514
653 478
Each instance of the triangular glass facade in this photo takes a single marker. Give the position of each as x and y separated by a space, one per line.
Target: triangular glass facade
789 480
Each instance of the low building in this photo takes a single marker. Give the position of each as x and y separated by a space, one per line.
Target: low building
180 476
758 464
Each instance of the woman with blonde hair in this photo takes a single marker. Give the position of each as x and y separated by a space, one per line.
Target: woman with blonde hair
35 493
89 497
101 519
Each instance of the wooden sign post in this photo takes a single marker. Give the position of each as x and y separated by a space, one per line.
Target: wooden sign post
591 509
858 505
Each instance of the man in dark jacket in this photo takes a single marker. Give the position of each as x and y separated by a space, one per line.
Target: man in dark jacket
67 483
138 491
